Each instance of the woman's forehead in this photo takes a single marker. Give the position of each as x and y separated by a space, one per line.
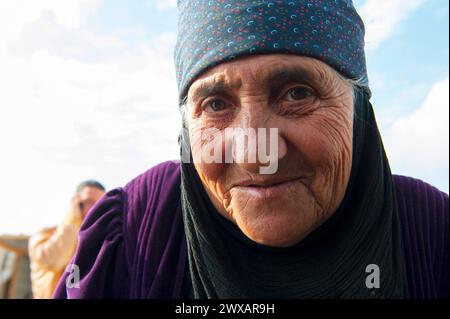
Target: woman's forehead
262 70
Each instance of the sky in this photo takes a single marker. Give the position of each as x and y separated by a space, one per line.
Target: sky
87 90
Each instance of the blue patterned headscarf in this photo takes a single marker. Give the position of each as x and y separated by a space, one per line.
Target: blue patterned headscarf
211 32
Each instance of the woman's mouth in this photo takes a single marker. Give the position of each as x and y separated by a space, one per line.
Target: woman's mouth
268 190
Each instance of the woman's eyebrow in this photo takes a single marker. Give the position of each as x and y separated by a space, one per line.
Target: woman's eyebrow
211 87
291 74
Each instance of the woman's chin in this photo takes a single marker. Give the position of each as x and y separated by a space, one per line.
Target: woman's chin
275 228
275 239
280 221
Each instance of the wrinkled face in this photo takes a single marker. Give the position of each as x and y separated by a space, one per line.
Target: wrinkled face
312 108
88 197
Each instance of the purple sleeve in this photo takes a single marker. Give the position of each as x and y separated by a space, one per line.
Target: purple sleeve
424 215
442 234
100 254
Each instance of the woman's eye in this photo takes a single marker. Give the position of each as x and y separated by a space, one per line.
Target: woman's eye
215 105
299 93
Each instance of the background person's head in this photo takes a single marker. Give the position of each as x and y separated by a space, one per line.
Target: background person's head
88 193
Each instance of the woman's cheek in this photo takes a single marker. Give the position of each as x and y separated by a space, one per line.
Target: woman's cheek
325 136
210 168
310 142
210 174
323 141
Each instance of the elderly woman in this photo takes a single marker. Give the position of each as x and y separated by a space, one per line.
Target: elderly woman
330 222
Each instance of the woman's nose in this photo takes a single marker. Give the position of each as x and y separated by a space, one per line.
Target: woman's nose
258 143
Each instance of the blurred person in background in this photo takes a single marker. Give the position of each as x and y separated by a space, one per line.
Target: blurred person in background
52 248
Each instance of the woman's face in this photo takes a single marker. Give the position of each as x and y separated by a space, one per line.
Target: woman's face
312 108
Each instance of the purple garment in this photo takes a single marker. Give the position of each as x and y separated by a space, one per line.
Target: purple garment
132 243
423 212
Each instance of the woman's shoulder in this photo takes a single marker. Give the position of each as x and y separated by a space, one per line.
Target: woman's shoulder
152 200
151 194
163 176
418 199
424 219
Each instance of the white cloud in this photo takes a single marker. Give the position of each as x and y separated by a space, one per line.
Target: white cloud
418 144
15 15
75 104
166 4
382 18
162 4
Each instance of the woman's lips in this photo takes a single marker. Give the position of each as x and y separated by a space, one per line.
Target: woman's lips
269 190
